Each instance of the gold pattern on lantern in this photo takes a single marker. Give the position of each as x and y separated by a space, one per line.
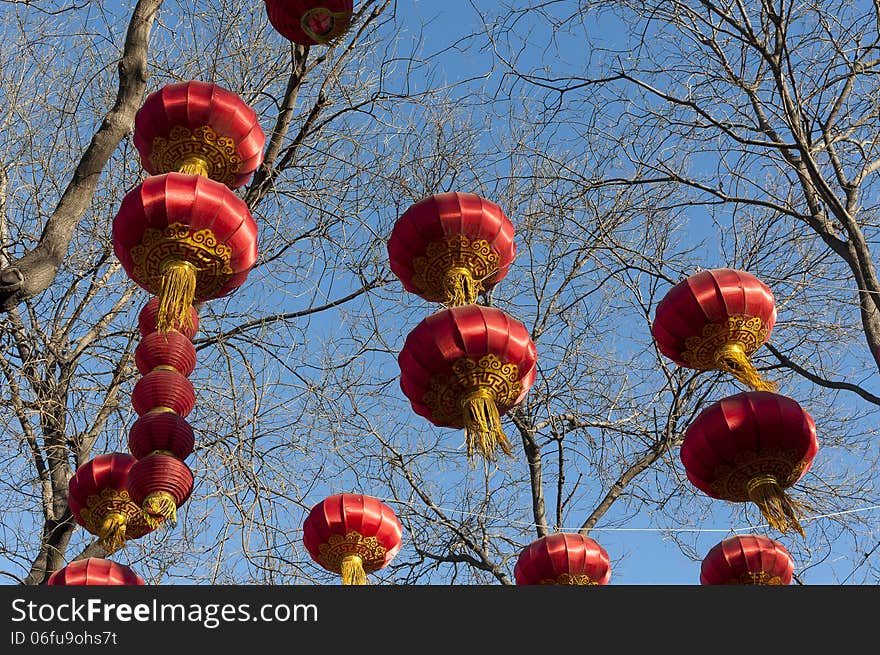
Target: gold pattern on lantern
194 149
757 578
488 373
454 271
337 548
175 242
732 480
114 517
329 24
568 579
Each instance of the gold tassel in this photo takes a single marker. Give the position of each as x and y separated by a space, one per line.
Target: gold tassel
460 288
777 508
194 165
176 296
160 503
112 532
352 570
482 422
732 358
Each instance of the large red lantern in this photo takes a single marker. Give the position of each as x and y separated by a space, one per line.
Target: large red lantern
160 483
201 128
450 247
310 22
747 560
563 559
352 535
184 238
752 447
465 367
715 320
94 571
99 501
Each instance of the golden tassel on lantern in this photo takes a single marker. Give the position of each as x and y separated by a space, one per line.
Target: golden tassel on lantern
194 165
460 287
176 295
733 359
779 510
162 504
352 570
112 531
482 422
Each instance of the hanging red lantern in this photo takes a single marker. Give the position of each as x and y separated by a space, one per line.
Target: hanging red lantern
163 390
200 128
94 571
160 484
164 432
450 247
148 321
99 501
563 559
352 535
715 320
171 351
310 22
465 367
752 447
184 238
747 560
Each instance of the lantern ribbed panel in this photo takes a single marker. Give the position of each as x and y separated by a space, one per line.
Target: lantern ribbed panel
340 514
160 473
161 388
325 20
172 349
148 320
161 431
747 559
220 235
107 471
95 571
563 558
192 105
469 331
439 218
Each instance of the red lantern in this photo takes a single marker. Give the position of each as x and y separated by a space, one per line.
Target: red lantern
94 571
170 351
353 535
148 320
715 320
160 484
184 238
465 367
747 560
164 432
195 127
100 502
563 559
450 247
310 22
162 390
751 447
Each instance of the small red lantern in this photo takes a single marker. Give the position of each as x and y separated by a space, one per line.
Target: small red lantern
200 128
160 484
184 238
465 367
310 22
99 501
715 320
94 571
563 559
164 432
751 447
148 320
450 247
162 390
353 535
747 560
171 351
